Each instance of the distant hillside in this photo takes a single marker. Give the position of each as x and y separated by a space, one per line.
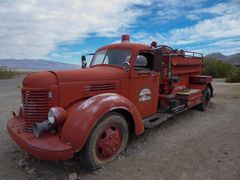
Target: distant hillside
233 59
31 64
218 56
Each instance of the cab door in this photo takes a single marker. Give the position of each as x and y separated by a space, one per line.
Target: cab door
144 84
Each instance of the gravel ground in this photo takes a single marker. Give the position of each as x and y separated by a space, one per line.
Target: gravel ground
194 145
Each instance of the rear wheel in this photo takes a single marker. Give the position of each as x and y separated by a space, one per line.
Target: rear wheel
107 140
205 100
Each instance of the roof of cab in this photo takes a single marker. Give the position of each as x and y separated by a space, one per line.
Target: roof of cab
132 46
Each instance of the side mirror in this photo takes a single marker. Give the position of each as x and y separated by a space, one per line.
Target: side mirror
126 66
84 62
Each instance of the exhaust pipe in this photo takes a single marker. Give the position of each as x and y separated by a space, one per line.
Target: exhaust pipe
41 127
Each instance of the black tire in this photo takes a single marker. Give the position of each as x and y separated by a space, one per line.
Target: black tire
93 155
206 99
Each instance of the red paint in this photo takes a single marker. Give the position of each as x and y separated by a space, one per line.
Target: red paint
48 147
84 96
85 114
125 38
109 142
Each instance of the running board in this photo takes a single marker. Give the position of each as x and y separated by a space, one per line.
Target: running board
156 119
178 109
153 121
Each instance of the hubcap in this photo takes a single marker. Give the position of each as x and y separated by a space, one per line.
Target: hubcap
109 142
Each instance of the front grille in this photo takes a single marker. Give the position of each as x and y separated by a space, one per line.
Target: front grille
35 105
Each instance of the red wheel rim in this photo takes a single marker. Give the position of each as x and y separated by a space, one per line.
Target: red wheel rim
109 142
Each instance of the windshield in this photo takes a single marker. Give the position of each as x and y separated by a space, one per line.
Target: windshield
114 57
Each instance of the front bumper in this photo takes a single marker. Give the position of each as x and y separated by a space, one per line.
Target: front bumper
47 147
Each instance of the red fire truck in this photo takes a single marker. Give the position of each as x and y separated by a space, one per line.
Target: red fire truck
128 87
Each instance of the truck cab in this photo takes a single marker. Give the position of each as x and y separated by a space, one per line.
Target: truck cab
127 88
139 82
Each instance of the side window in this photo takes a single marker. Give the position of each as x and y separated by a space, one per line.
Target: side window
98 57
144 62
141 61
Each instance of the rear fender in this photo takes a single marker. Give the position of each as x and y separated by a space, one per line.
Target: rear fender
200 79
202 87
201 82
83 116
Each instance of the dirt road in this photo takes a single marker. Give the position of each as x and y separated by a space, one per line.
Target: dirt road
194 145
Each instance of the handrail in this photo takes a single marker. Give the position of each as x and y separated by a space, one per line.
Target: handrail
186 55
194 53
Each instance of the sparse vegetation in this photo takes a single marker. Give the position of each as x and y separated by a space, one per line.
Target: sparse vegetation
216 68
220 69
234 76
7 73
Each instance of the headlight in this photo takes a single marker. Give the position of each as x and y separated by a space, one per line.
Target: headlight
57 115
51 117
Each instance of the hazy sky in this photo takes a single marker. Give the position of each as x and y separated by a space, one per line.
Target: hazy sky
62 30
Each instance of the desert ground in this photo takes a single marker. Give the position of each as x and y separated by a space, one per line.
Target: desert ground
194 145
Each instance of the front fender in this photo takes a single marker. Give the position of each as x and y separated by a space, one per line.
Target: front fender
85 114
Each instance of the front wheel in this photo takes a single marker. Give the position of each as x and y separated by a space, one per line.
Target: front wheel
205 100
107 140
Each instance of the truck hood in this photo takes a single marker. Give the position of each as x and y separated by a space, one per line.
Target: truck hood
90 74
40 80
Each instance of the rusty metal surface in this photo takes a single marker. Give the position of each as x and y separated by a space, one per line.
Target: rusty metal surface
84 115
48 147
88 94
35 106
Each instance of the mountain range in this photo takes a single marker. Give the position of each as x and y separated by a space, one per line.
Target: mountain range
233 59
36 65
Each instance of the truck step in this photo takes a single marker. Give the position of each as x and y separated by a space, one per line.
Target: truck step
153 121
192 97
179 108
189 92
